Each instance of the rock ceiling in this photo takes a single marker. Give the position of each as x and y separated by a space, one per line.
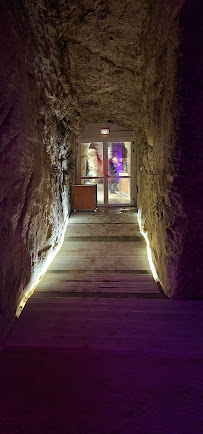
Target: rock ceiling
111 55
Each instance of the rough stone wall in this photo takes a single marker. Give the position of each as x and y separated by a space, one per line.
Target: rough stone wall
159 200
35 153
103 59
68 63
189 146
123 59
170 152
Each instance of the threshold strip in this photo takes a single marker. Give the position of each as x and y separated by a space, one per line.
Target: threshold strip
90 294
105 239
92 272
101 223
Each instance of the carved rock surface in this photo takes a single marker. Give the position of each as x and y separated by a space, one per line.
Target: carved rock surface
124 61
64 64
36 164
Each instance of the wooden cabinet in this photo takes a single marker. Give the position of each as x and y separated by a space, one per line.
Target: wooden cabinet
85 196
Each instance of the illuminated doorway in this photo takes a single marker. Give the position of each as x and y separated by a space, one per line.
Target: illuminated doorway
106 156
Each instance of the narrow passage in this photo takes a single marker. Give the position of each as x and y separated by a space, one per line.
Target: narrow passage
98 349
99 293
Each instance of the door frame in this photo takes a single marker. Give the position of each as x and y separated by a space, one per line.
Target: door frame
117 134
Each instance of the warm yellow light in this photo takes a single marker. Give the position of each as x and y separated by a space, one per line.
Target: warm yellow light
149 252
37 275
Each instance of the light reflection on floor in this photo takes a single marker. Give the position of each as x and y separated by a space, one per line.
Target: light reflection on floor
113 198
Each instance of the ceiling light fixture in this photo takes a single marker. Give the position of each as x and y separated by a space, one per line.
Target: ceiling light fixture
105 131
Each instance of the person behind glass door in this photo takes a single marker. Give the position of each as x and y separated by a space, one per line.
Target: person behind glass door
112 173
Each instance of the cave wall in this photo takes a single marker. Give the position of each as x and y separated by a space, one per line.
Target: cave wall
159 201
124 60
64 64
36 167
189 146
102 58
125 63
170 148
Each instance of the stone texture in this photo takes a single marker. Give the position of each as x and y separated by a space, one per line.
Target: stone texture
124 60
170 159
189 147
159 199
35 144
68 63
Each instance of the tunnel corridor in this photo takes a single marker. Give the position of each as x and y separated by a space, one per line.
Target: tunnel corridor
64 66
116 68
98 348
102 263
98 291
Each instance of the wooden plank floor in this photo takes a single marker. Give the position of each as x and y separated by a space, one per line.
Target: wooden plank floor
98 349
99 293
102 252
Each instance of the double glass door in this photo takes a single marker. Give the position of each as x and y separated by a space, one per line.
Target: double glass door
107 164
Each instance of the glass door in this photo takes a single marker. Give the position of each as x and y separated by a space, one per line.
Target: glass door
107 164
92 167
119 173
